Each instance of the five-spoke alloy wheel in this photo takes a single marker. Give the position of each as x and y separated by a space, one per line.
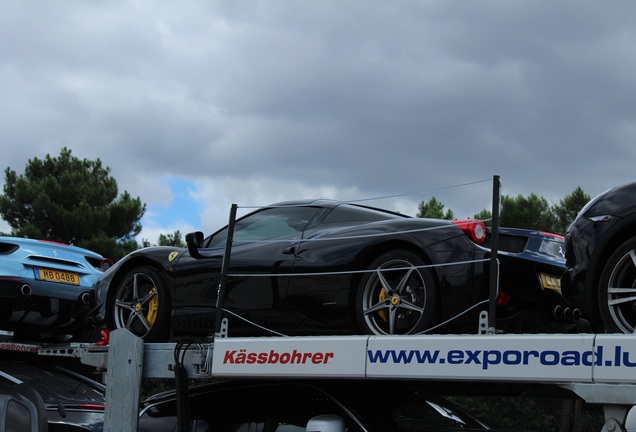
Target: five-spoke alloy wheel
397 295
141 305
617 289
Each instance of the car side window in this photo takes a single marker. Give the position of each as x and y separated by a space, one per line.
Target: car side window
268 224
351 214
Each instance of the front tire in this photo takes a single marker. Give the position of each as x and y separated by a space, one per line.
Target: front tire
141 304
617 290
397 296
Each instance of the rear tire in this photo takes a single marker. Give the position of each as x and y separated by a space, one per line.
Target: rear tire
397 296
617 290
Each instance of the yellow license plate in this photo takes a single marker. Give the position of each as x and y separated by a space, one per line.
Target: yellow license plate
550 282
57 276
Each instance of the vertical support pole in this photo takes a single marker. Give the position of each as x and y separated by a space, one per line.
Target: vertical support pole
494 249
123 381
220 296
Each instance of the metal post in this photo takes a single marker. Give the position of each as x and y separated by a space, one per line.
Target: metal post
220 297
494 248
123 381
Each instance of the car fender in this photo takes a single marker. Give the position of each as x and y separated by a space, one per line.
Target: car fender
162 258
609 240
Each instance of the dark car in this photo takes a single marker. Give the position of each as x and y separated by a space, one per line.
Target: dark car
288 406
530 298
312 267
36 394
601 260
46 288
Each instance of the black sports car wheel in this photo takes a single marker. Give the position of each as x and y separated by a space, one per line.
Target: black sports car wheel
141 305
617 290
397 296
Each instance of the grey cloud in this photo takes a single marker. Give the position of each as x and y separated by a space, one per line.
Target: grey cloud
373 96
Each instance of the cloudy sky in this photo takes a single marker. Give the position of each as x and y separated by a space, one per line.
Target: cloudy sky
195 105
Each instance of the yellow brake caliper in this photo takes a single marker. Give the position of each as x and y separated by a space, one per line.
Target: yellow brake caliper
153 306
381 298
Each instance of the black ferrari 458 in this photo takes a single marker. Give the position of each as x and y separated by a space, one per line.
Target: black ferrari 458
326 267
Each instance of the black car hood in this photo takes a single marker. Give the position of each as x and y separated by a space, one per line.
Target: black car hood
617 201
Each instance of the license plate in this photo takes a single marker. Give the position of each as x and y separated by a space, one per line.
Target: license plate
550 282
57 276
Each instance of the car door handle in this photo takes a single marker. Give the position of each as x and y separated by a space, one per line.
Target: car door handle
291 250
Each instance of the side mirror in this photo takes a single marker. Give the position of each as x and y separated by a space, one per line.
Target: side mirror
194 241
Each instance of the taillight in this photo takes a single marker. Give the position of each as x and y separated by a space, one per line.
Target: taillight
474 228
106 264
503 299
556 236
53 242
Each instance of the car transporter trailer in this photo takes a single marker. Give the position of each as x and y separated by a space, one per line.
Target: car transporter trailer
597 368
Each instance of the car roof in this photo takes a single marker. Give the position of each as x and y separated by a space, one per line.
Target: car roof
56 384
302 202
331 204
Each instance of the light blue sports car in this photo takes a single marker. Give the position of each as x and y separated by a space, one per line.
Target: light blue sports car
46 289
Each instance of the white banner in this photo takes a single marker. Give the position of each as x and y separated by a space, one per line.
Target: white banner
582 358
307 356
497 358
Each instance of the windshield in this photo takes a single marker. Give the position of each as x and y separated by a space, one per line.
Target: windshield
287 407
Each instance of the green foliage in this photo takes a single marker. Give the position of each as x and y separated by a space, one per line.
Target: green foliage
567 209
434 209
484 215
172 240
74 201
531 212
